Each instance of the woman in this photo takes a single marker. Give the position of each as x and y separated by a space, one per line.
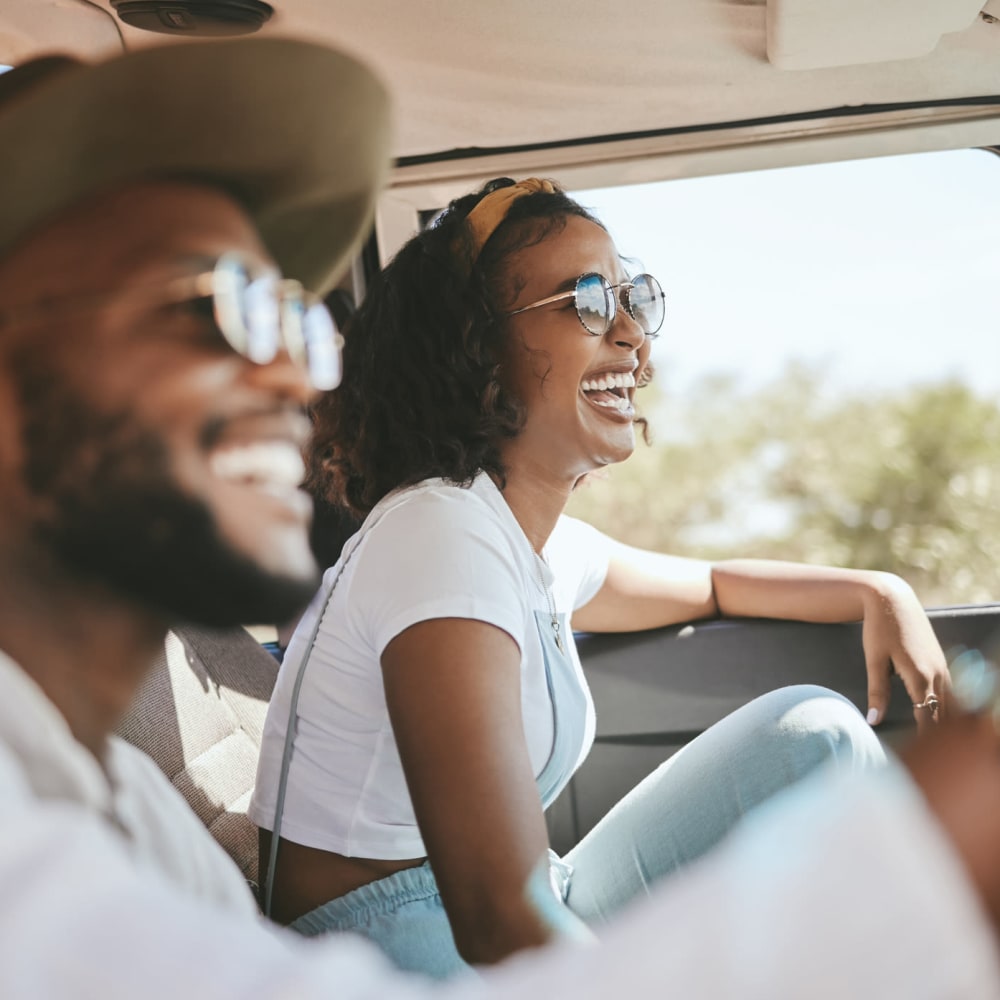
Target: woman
441 703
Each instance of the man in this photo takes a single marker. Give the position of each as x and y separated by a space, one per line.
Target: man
153 368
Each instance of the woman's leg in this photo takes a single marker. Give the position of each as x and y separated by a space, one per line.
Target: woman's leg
692 800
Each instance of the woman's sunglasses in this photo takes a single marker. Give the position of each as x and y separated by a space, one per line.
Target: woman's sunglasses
256 310
596 302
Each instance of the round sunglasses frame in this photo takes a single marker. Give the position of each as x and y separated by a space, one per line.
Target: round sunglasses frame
610 297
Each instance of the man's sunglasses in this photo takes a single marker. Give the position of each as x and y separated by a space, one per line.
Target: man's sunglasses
596 301
257 311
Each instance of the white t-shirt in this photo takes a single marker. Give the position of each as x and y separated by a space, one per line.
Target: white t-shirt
130 793
433 550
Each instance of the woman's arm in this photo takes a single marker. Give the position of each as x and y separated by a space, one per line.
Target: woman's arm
453 690
648 590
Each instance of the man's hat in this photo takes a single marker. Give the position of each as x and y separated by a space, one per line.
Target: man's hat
298 133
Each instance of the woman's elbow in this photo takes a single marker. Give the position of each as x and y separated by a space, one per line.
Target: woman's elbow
490 930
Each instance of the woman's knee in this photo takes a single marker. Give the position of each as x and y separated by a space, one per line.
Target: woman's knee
821 724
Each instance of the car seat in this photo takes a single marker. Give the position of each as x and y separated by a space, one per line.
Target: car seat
200 715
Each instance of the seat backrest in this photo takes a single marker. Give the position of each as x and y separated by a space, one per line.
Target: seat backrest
200 714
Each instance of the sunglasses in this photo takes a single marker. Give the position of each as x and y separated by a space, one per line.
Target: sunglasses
596 302
257 311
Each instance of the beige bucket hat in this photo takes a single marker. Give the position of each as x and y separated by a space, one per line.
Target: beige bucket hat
298 133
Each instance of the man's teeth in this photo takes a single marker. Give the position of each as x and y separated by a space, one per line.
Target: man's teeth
271 463
620 380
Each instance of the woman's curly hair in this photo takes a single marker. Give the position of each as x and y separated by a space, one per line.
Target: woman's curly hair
422 397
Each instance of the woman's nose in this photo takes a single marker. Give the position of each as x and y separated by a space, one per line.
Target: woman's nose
625 331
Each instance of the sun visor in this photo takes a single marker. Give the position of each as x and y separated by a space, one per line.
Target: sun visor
813 34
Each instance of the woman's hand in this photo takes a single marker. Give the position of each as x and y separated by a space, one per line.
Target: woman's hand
897 636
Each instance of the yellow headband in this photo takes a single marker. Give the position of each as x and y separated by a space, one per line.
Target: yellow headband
482 221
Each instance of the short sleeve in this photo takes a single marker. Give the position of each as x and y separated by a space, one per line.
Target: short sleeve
441 554
579 555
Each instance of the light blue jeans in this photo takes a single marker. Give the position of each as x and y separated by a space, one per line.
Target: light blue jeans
680 811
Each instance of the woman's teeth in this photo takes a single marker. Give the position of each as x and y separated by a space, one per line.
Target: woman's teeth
621 404
619 380
608 391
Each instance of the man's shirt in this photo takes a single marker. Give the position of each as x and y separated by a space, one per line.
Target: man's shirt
110 888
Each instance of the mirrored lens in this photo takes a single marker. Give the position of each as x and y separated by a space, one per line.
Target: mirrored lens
263 313
595 303
293 311
229 282
646 303
246 309
262 317
322 345
310 335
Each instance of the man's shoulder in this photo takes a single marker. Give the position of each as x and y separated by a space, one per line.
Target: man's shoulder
15 788
137 772
167 832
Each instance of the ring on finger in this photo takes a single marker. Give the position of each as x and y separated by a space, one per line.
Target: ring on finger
931 702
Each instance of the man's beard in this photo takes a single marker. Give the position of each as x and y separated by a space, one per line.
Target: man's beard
114 514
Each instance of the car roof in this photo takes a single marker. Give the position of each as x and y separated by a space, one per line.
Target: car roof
597 94
495 77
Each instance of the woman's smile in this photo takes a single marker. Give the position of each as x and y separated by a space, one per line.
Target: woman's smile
612 391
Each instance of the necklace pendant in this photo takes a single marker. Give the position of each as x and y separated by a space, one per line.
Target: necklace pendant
557 634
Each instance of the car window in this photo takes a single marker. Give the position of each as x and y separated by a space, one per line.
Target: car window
828 376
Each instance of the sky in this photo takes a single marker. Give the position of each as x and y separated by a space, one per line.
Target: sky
882 272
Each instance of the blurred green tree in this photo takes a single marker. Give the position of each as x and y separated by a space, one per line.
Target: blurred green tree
907 482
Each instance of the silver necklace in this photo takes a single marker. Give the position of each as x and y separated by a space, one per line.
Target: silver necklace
556 632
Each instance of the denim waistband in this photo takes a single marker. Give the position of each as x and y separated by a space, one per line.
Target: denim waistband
386 895
357 907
